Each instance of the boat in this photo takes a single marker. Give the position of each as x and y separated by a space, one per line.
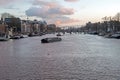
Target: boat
116 35
32 34
58 34
51 39
15 37
4 37
113 35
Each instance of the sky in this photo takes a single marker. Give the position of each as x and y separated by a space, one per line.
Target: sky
61 12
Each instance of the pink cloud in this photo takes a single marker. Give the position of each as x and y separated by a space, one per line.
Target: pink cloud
5 2
71 0
69 22
44 3
59 21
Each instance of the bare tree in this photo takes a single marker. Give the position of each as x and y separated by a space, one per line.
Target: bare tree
117 17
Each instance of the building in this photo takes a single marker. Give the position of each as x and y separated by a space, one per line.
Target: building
51 28
2 27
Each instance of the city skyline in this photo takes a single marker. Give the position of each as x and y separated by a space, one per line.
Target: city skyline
61 12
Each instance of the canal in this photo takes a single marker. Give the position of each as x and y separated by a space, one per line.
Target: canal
76 57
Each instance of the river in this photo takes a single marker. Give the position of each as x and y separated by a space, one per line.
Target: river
76 57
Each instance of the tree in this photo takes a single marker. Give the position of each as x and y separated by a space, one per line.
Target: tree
117 16
14 23
6 15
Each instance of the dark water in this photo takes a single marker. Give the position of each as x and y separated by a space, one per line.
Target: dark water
76 57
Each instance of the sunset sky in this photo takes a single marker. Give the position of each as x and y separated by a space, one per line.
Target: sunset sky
61 12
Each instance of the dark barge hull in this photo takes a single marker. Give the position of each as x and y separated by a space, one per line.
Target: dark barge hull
49 40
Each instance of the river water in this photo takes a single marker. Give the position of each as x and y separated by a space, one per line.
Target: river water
76 57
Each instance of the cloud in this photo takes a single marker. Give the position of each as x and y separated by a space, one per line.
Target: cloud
68 22
8 2
45 3
52 12
5 2
71 0
46 9
46 12
63 20
11 7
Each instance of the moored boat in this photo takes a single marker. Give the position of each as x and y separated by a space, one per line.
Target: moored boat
15 37
58 34
4 37
116 35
